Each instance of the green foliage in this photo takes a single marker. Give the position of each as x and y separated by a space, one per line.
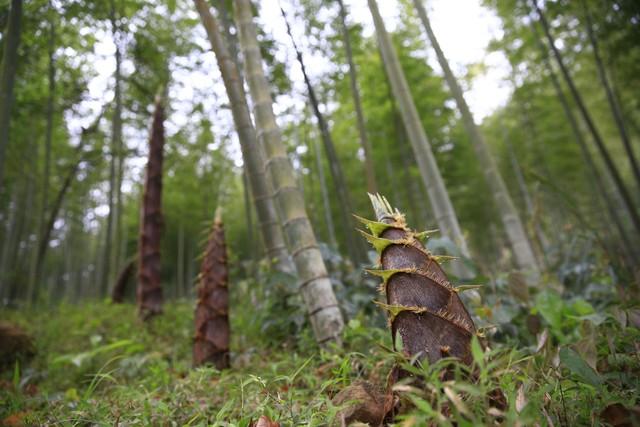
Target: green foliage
163 43
146 377
96 364
560 353
536 124
576 364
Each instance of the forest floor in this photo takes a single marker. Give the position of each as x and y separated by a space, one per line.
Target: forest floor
559 360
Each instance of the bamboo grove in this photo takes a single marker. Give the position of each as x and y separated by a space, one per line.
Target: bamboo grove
559 154
107 188
224 155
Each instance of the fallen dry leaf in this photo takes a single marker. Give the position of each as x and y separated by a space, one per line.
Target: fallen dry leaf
14 420
618 415
265 421
364 402
542 340
456 400
521 400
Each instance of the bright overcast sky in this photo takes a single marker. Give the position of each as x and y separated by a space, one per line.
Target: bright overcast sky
464 29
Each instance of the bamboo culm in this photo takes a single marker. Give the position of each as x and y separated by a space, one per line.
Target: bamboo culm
444 212
515 231
315 285
252 153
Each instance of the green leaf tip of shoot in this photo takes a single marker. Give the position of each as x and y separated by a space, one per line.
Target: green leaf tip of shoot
217 218
424 235
444 258
160 94
382 207
463 288
379 243
386 274
395 309
376 228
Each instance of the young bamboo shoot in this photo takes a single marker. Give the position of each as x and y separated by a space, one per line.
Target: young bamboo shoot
149 292
425 310
211 342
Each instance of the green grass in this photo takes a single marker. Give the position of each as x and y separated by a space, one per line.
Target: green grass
97 364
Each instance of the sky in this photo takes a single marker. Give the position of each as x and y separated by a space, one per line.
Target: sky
464 29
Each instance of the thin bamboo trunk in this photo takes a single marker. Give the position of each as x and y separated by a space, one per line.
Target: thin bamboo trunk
613 103
612 168
592 169
390 169
248 214
117 146
98 271
180 262
372 186
431 177
122 240
296 158
43 243
355 249
532 134
104 280
67 266
50 111
520 245
47 228
18 256
326 203
532 145
36 270
71 240
83 258
189 270
230 33
543 241
119 242
315 285
149 291
252 152
119 289
8 242
12 231
626 112
78 263
232 42
412 189
10 43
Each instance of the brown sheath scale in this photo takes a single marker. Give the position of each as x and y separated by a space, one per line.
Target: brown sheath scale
425 310
211 342
149 291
